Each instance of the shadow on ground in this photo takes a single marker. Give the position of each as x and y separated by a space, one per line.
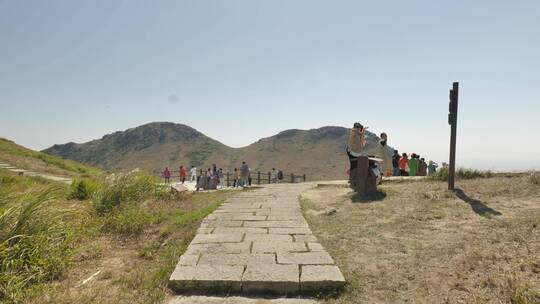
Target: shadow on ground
477 206
370 198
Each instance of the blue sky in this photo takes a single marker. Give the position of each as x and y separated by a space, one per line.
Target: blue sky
241 70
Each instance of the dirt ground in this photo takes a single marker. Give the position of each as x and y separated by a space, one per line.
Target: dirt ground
416 242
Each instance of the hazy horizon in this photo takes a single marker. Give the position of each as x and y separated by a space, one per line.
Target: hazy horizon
239 71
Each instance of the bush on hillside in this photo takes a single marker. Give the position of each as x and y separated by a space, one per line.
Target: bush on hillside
461 173
134 186
82 189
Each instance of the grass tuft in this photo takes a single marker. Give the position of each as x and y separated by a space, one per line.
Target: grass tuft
134 186
462 173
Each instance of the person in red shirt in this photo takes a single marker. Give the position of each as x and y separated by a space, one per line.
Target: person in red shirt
404 165
182 174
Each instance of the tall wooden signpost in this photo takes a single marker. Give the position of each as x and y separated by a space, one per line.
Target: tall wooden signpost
452 121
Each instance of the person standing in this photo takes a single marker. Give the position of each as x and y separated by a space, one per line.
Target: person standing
384 154
182 174
193 172
273 176
414 165
432 168
355 145
423 167
236 177
395 163
167 175
221 178
404 165
359 163
244 174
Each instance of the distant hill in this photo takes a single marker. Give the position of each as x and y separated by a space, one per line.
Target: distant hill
319 153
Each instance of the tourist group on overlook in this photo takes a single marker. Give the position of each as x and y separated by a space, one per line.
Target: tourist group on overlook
214 178
384 163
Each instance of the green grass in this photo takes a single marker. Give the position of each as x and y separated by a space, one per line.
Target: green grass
9 147
183 219
124 188
34 240
44 234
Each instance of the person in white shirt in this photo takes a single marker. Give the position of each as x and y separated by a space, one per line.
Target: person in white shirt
273 176
193 173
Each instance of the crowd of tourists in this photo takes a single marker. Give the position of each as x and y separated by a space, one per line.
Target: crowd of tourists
214 178
389 165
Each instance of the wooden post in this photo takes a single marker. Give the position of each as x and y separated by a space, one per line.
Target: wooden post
228 184
292 177
258 177
304 178
452 120
269 181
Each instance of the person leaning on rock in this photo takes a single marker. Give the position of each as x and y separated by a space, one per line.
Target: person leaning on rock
356 143
359 163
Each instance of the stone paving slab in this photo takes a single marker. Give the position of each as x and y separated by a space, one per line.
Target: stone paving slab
236 300
304 258
238 259
268 238
273 247
212 277
218 238
258 242
314 278
280 279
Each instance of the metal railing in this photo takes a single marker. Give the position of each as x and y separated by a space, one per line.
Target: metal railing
257 178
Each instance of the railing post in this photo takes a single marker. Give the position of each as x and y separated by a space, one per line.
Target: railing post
292 178
228 179
304 178
269 178
258 177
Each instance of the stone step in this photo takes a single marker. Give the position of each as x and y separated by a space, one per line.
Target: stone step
237 251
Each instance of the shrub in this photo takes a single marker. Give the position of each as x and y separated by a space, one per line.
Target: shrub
134 186
82 189
461 173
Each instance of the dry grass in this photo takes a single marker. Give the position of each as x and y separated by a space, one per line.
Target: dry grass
417 242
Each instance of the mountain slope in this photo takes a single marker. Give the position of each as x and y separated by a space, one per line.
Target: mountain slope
319 153
25 158
150 146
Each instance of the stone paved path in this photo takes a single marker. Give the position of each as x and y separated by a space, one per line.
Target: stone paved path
31 173
258 242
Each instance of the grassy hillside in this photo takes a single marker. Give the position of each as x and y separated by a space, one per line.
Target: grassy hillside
25 158
128 231
319 153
